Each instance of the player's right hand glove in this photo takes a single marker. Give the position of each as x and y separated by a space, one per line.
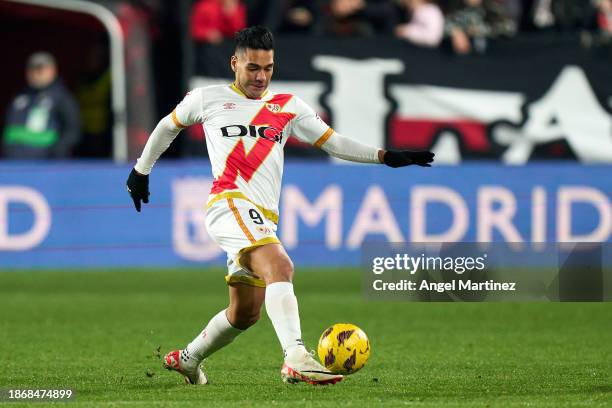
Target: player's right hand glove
138 187
400 158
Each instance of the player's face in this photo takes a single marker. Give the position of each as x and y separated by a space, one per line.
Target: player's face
253 70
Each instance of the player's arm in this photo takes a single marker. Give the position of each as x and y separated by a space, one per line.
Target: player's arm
311 129
345 148
186 113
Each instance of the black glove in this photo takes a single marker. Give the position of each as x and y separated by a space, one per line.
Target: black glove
400 158
138 187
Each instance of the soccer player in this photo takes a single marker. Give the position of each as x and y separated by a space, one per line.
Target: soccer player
246 127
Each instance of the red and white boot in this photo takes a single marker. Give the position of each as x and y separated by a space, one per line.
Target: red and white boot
179 362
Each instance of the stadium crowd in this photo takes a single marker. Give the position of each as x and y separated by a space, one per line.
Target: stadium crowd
466 24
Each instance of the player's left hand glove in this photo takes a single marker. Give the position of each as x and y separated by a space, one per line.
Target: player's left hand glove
401 158
138 187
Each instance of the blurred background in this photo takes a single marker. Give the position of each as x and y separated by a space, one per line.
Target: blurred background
513 96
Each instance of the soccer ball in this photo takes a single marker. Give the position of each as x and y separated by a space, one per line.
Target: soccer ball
344 348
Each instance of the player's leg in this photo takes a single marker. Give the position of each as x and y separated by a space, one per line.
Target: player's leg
225 224
272 264
245 304
244 308
243 311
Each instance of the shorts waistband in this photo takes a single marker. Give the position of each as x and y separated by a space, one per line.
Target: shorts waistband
269 214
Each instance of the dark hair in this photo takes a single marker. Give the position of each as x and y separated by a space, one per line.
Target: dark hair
255 38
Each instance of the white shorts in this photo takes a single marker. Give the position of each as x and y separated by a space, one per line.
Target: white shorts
238 226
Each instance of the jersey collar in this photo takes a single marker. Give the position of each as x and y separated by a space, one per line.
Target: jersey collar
235 88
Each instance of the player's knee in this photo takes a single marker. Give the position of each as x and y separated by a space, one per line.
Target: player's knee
282 269
270 262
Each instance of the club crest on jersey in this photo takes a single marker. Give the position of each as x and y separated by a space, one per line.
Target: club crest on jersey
273 107
265 132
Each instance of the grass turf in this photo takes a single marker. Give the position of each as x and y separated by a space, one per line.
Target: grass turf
99 334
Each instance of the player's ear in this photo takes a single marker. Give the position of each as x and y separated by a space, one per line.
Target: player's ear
233 62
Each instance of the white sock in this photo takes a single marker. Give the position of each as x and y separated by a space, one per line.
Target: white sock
217 334
282 309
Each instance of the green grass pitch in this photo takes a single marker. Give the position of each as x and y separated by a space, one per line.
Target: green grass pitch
99 333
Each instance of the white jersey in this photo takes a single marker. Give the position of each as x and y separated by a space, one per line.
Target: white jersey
245 139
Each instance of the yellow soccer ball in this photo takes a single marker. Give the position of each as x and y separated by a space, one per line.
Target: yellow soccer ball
344 348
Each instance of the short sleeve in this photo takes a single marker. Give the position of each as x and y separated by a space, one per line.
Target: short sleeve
308 126
189 111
